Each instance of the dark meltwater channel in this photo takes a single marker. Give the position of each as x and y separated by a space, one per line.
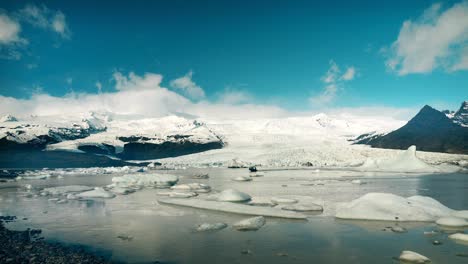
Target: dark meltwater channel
134 228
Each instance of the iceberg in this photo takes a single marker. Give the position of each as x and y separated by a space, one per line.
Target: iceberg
390 207
231 195
451 221
63 190
206 227
98 192
192 187
413 257
459 237
407 161
234 208
155 180
250 224
303 207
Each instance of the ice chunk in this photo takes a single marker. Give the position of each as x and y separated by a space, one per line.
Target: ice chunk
193 187
461 214
63 190
210 227
242 178
261 201
390 207
98 192
234 208
231 195
249 224
281 200
413 257
303 207
451 221
146 180
404 162
459 237
182 194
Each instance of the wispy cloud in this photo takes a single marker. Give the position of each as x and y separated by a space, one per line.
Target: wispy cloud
437 39
45 18
333 80
188 86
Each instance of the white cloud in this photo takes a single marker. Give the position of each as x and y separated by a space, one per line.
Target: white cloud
188 86
45 18
333 81
436 39
349 74
149 81
233 96
9 30
136 95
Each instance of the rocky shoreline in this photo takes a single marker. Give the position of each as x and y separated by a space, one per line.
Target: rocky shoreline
28 247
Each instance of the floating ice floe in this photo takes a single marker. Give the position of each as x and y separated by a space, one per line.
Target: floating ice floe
450 221
250 224
282 200
192 187
390 207
459 237
182 194
64 190
261 201
206 227
256 175
155 180
413 257
231 195
242 178
98 192
235 208
303 207
407 161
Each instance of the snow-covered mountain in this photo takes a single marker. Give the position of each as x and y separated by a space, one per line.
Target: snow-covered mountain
430 130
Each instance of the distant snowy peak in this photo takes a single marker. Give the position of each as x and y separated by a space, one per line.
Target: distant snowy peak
461 116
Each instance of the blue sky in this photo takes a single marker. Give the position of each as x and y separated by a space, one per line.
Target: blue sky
293 54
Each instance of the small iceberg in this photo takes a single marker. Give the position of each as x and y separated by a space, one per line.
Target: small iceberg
390 207
231 195
451 221
407 161
242 179
281 200
207 227
460 237
98 192
413 257
192 187
64 190
154 180
250 224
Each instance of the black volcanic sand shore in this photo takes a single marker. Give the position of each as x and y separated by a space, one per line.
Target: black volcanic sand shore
27 247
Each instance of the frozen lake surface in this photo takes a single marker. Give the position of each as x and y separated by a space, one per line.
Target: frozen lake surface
135 228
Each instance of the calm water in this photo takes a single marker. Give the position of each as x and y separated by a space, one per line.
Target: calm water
164 233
